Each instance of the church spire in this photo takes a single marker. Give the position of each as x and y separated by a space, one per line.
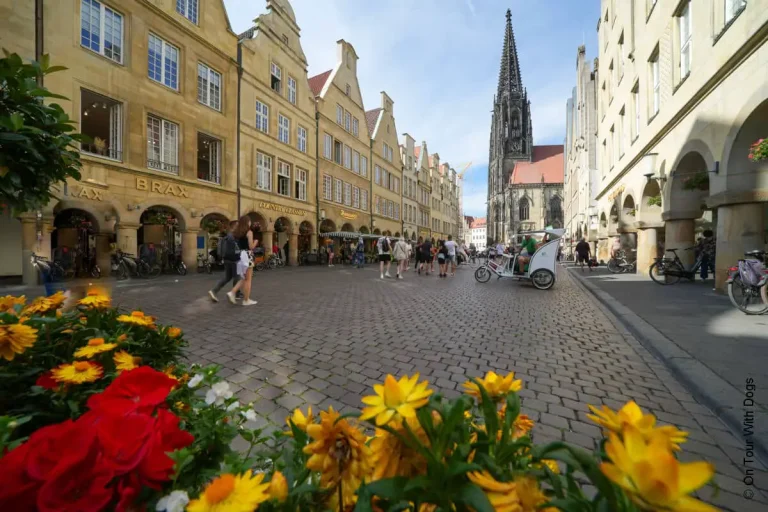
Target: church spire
509 74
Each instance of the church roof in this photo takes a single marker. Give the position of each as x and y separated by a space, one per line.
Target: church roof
371 116
317 82
546 166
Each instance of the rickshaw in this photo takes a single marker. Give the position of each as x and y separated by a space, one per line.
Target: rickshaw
540 270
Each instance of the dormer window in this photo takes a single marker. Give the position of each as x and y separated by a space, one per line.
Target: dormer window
277 78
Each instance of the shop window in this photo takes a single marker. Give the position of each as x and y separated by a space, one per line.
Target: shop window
208 158
101 119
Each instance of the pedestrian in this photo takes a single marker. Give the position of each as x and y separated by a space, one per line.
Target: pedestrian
246 242
286 247
442 259
409 248
426 256
360 253
433 257
275 249
706 249
615 247
499 249
583 254
329 248
229 254
417 251
400 253
384 249
451 247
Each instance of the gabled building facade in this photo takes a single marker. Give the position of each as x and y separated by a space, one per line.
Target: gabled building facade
387 169
424 184
410 188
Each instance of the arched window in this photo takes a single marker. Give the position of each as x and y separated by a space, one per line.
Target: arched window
524 209
555 208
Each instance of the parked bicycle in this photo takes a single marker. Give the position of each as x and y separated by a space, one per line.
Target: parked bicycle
176 265
126 265
748 284
670 270
619 264
275 261
204 263
52 269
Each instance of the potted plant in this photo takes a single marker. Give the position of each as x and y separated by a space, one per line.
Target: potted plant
759 151
213 226
654 200
698 181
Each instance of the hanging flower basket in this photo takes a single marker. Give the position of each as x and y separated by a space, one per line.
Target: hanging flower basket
279 226
159 218
654 201
698 181
759 151
214 226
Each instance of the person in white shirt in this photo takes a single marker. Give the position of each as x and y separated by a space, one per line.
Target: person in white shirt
499 249
400 253
451 246
384 248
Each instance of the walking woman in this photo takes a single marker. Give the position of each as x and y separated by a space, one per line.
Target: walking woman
330 252
245 241
442 259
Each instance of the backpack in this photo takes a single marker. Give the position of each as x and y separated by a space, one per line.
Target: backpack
228 249
385 245
751 272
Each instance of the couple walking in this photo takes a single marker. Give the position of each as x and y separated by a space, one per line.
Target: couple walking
235 250
400 251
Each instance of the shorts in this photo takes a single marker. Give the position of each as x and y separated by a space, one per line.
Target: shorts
582 258
385 257
451 259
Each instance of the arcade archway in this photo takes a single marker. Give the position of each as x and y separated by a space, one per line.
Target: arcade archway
73 241
159 237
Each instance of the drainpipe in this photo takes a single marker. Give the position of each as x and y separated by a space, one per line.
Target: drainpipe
317 170
371 174
239 95
39 36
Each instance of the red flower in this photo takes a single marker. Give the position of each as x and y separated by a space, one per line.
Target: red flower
140 390
46 381
125 440
18 491
157 466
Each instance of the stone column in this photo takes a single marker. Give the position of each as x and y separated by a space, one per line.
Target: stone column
602 253
740 228
127 238
293 249
189 249
103 253
313 242
679 235
44 247
646 249
266 242
28 246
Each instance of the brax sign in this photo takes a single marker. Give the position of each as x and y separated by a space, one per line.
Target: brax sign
168 189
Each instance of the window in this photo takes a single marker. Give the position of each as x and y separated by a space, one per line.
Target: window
356 197
384 179
101 30
621 57
356 162
732 8
163 62
263 172
162 145
655 83
611 82
376 204
636 111
612 147
277 78
397 185
621 132
283 178
283 129
397 212
347 157
347 90
605 156
355 126
327 186
327 146
208 86
377 174
337 150
347 121
523 208
363 166
391 209
291 90
337 190
301 185
208 158
101 119
302 138
339 115
262 117
364 200
188 9
348 194
684 29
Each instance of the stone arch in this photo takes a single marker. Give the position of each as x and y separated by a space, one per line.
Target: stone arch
688 185
182 214
347 227
602 228
742 174
628 214
650 206
327 226
219 211
306 228
257 219
405 235
752 105
613 219
364 229
397 234
377 231
387 233
214 223
95 216
283 225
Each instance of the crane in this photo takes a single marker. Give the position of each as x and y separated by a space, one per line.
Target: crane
460 174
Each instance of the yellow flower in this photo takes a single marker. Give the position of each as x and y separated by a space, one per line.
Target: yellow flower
339 453
396 399
531 495
652 476
95 298
278 487
16 339
122 338
632 415
137 318
94 346
84 320
67 331
502 495
230 493
9 302
125 361
522 425
392 457
173 332
496 386
552 465
43 305
300 420
77 372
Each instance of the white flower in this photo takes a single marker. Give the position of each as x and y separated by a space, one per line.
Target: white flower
234 405
218 393
174 502
250 415
194 381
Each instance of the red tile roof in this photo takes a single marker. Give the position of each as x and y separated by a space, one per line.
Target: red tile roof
478 223
416 152
546 166
317 82
371 117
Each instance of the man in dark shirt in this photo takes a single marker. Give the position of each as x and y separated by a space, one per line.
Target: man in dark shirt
583 251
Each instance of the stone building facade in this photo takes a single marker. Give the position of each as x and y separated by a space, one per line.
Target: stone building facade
410 188
683 93
387 169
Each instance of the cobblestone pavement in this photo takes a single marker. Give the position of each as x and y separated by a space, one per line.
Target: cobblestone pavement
323 336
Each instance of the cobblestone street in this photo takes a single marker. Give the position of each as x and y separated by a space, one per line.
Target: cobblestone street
324 336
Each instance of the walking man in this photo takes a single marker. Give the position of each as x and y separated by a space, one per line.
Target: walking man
229 253
360 253
384 249
451 247
583 254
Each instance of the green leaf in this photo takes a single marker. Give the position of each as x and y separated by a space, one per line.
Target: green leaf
17 121
461 468
418 482
388 488
45 61
474 497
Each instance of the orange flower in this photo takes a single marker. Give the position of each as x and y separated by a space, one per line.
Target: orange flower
173 332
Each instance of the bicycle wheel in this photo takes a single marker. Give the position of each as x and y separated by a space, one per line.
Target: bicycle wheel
122 272
272 263
482 274
747 298
658 272
154 271
181 268
614 266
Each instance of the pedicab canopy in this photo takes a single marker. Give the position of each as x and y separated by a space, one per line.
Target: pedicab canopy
350 234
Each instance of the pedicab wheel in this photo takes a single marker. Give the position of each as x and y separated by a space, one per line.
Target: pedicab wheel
543 279
483 275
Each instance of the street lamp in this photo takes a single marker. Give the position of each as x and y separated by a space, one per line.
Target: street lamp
648 163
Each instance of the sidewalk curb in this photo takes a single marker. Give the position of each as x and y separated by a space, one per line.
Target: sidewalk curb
705 385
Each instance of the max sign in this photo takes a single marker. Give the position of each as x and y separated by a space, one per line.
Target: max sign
168 189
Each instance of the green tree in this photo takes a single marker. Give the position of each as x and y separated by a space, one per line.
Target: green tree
37 139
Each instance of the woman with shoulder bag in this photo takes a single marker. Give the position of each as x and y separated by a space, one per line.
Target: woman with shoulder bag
247 243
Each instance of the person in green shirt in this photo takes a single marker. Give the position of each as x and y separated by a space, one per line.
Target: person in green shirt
526 251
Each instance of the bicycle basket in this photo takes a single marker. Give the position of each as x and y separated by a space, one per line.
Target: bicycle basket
751 272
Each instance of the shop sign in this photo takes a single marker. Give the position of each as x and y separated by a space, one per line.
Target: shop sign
348 215
87 193
616 193
168 189
281 209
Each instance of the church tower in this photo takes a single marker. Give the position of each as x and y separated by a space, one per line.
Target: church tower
511 134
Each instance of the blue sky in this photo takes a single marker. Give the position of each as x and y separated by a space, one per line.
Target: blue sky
439 61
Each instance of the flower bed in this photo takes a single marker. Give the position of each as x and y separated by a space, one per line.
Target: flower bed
102 414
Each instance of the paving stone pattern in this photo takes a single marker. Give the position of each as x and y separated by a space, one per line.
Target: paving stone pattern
323 337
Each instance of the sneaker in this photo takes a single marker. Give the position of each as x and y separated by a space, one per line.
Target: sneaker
381 276
399 276
387 275
213 296
249 302
231 297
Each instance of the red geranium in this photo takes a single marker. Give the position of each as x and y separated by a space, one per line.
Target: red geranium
157 466
140 390
46 381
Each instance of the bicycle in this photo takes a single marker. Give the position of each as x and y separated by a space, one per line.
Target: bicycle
275 261
204 264
666 271
746 285
619 263
126 265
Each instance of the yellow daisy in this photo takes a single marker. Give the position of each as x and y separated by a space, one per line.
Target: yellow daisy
94 346
43 305
77 372
9 302
392 457
496 386
95 298
531 496
232 493
396 399
137 318
278 487
631 415
300 420
173 332
16 339
522 425
502 495
125 361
